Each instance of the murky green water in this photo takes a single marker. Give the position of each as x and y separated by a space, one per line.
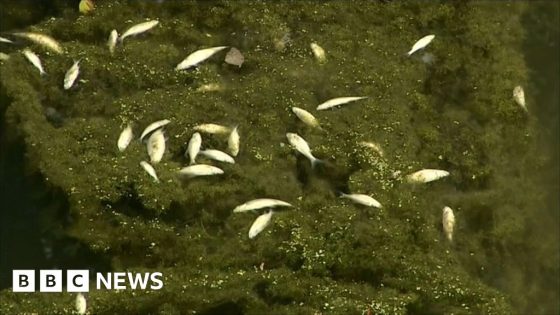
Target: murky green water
71 200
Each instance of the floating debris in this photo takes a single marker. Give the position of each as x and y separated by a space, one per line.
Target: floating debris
519 97
4 57
339 101
154 126
233 142
156 146
448 221
210 87
125 138
150 170
374 146
200 170
362 200
212 129
257 204
306 117
86 6
234 57
198 56
71 75
421 43
302 147
34 59
260 224
318 52
43 40
194 147
112 41
426 176
218 155
138 29
81 304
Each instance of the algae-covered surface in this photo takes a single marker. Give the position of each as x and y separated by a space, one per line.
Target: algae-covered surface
447 107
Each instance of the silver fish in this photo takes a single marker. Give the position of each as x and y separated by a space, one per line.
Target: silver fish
71 75
43 40
306 117
260 224
261 203
34 59
421 43
426 175
81 304
156 146
154 126
5 40
339 101
218 155
150 170
112 41
233 142
212 129
448 221
200 170
194 147
198 56
125 138
302 147
138 29
362 199
318 52
519 97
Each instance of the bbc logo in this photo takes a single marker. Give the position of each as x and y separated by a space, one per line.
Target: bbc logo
50 280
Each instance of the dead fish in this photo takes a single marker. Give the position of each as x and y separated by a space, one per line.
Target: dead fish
306 117
257 204
212 129
318 52
302 147
260 224
200 170
112 41
362 199
34 59
156 146
218 155
233 142
339 101
138 29
519 97
5 40
71 75
421 43
234 57
43 40
194 147
125 138
448 221
4 57
198 56
374 146
154 126
81 304
426 175
150 170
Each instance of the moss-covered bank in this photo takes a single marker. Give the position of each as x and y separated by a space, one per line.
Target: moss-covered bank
454 113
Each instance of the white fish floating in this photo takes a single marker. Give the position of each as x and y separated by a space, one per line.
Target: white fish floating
519 97
233 142
362 199
257 204
260 224
218 155
156 146
5 40
71 75
150 170
200 170
154 126
374 146
212 129
198 56
138 29
339 101
318 52
125 138
306 117
34 59
81 304
421 43
112 41
302 147
448 221
43 40
194 147
426 175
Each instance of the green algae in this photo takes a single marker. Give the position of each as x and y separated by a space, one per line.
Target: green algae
326 255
